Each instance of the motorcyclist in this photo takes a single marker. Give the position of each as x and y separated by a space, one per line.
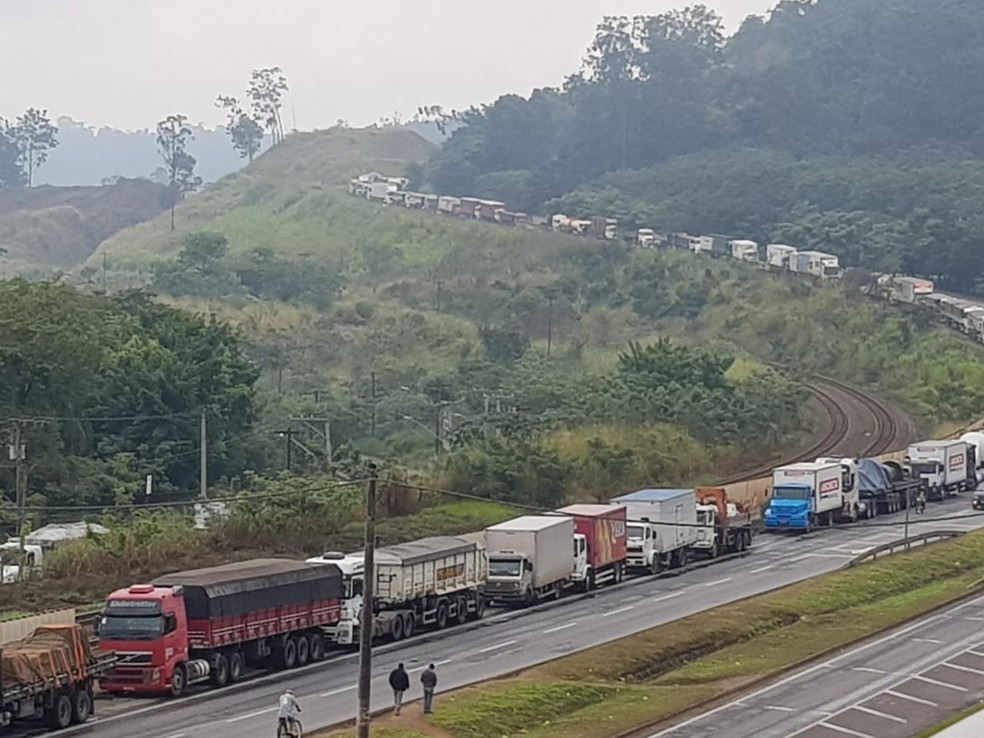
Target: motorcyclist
288 706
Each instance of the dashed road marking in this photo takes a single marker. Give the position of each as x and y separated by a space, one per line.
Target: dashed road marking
845 731
917 700
962 668
883 715
618 611
938 683
497 646
719 581
565 626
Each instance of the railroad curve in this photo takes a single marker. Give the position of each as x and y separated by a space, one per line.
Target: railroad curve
858 424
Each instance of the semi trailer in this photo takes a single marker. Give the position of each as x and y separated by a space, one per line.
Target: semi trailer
429 583
886 487
208 625
946 467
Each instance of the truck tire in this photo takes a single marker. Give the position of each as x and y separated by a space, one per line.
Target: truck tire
286 656
479 607
303 649
589 582
316 645
654 565
237 666
461 610
713 552
681 558
396 628
409 624
179 681
442 615
220 671
81 706
59 716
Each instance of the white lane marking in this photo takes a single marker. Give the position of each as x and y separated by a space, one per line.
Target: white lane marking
975 653
917 700
340 690
975 618
618 611
938 683
845 731
883 715
436 664
252 715
934 641
868 670
779 708
762 568
176 735
669 596
565 626
962 668
497 646
719 581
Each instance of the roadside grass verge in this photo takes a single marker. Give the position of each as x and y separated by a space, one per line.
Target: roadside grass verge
643 679
952 721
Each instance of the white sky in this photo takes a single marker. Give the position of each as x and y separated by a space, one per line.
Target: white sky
128 63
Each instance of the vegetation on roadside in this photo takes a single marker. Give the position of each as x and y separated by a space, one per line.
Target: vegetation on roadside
645 678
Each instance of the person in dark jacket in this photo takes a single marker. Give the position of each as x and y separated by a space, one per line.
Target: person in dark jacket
400 683
429 679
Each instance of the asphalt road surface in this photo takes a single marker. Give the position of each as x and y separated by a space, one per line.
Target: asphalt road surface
503 643
896 686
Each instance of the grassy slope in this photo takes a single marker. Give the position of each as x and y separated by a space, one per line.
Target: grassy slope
649 676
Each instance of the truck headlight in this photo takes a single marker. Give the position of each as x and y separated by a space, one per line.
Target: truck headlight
768 512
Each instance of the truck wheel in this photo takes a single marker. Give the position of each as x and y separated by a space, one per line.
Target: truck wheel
81 706
479 607
316 645
462 610
287 656
409 624
442 616
589 583
60 714
681 558
179 681
713 553
654 566
396 631
220 671
619 573
747 535
236 667
303 650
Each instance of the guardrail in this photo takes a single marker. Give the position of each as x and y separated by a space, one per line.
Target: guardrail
904 544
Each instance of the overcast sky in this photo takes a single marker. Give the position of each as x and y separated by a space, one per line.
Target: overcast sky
128 63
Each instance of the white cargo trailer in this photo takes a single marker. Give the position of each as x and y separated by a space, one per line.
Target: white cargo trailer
433 582
744 250
975 439
529 558
943 467
781 256
809 494
662 527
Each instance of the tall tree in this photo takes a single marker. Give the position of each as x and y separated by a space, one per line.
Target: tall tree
34 136
244 132
266 91
173 135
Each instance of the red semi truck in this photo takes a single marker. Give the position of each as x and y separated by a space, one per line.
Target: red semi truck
209 624
600 530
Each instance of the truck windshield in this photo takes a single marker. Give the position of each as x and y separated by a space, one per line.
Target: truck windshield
925 467
635 532
352 586
130 628
791 493
504 567
705 517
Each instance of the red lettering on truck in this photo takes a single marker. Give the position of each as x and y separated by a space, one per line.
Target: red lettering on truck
830 486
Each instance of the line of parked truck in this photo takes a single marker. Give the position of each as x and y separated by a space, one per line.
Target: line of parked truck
830 491
393 191
212 625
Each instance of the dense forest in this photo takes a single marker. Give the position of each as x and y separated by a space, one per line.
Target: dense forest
851 126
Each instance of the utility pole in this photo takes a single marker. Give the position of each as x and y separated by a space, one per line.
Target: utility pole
372 401
550 302
203 459
17 456
368 596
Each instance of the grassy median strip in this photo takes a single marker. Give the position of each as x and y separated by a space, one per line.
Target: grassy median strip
936 729
644 678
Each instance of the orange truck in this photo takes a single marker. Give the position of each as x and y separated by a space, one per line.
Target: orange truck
49 676
723 525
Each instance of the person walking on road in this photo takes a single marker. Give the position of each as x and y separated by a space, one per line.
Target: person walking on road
400 683
921 502
429 680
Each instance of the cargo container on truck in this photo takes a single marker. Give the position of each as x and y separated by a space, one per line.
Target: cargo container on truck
209 624
489 210
886 487
599 543
430 583
646 238
817 264
904 289
724 525
378 191
810 494
943 465
605 229
49 676
975 439
530 557
715 245
662 527
744 250
781 256
447 205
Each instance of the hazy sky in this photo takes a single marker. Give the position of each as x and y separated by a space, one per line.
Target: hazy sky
128 63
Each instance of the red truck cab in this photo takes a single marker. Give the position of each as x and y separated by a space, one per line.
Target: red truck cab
147 626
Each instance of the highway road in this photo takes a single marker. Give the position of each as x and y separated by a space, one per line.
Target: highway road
895 686
505 642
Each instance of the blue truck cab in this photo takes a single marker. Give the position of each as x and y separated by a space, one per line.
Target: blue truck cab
791 506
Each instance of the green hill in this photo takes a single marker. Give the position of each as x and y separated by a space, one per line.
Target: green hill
288 183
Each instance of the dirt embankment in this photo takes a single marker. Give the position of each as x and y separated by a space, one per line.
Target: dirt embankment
60 227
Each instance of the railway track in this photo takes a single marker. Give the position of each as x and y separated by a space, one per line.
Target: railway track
857 425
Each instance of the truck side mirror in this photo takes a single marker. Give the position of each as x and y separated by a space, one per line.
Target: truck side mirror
528 565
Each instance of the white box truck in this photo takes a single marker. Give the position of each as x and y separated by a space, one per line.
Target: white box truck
744 250
530 557
943 467
781 256
662 527
430 583
810 494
